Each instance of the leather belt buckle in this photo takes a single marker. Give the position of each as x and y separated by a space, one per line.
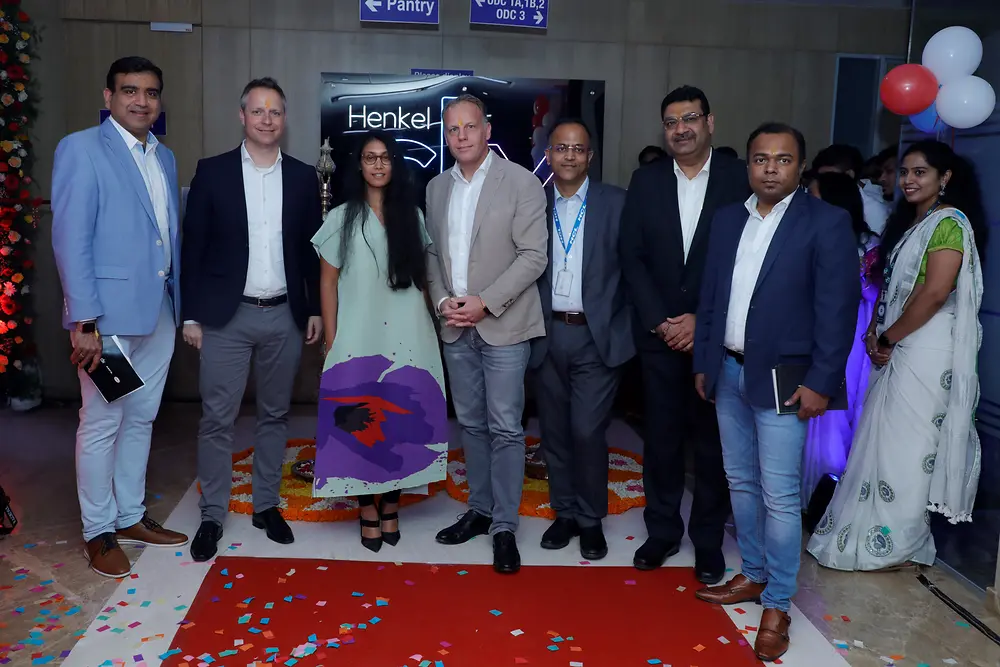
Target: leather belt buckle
572 319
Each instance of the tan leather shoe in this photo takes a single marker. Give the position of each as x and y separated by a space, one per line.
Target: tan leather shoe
736 590
150 533
772 635
106 557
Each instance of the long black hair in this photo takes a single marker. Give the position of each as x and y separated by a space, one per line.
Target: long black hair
399 211
841 190
962 192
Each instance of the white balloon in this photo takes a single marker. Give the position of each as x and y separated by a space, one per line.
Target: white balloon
953 53
966 103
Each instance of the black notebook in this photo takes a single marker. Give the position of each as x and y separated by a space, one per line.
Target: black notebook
787 378
115 377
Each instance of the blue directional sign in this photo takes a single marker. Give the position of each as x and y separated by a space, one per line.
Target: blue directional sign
513 13
400 11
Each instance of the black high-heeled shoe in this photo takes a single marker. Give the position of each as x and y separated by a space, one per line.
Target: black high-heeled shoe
390 538
371 543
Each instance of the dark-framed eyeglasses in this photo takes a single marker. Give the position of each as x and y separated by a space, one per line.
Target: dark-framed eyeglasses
688 119
371 158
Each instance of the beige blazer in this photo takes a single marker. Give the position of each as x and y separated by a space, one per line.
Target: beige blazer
509 252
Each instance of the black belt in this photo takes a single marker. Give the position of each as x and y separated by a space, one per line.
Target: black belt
737 356
573 319
266 303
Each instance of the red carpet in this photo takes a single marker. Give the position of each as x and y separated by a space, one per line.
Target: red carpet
361 614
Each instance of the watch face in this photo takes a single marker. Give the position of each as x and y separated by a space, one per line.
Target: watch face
88 327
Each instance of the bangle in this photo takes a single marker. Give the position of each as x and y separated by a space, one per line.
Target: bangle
869 334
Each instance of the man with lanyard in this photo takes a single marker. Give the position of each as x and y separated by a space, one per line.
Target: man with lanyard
588 339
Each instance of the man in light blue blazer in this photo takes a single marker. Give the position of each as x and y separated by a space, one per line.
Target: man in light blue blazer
114 233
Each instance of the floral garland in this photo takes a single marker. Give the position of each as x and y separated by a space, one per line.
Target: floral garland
18 210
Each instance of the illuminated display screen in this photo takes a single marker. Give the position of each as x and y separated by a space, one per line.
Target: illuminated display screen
410 106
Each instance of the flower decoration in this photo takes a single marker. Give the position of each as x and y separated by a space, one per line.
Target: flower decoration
18 209
378 422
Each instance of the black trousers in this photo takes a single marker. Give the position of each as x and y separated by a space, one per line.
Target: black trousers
675 417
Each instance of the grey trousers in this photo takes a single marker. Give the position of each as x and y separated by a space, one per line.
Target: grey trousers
271 339
487 389
576 392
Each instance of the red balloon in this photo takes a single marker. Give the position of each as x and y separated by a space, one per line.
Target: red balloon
541 105
908 89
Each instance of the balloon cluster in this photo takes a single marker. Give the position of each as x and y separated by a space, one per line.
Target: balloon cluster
942 91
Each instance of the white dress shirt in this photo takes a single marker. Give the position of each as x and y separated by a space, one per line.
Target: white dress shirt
568 209
690 199
754 242
266 267
461 217
156 184
876 209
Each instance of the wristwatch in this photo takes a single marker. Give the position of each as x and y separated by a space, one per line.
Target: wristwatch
883 341
88 327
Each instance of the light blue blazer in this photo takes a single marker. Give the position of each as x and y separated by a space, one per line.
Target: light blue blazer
105 236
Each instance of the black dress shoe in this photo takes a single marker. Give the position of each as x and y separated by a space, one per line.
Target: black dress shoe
205 542
275 526
654 553
593 546
558 535
709 566
506 559
471 524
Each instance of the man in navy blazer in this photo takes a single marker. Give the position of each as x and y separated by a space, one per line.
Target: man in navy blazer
114 233
781 286
588 338
251 289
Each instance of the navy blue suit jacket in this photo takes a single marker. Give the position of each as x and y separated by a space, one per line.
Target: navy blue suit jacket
804 307
215 254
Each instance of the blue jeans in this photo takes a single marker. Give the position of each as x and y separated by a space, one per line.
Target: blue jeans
487 389
762 453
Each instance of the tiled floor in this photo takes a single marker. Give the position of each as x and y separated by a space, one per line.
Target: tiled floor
879 616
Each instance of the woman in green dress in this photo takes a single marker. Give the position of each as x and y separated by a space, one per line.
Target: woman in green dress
383 423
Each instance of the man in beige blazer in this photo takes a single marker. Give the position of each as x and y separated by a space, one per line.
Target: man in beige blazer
486 219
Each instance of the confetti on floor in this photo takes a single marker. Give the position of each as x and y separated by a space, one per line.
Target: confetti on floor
519 630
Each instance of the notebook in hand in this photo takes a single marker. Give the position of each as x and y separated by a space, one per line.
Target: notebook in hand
115 377
787 378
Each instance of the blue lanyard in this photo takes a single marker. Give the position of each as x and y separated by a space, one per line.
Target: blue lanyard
576 228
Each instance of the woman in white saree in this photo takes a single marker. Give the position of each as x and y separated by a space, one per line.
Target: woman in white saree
916 449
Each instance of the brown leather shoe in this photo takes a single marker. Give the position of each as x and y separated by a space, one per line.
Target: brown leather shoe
736 590
150 533
772 636
106 557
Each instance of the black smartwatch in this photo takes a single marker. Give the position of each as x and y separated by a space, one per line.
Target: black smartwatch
883 341
88 327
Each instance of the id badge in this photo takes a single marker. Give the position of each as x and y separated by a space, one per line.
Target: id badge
564 280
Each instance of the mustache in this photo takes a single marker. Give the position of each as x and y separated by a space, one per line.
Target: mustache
685 136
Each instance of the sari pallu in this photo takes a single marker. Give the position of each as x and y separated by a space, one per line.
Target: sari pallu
916 449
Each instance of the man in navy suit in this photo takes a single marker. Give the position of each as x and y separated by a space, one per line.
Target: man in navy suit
114 233
251 288
588 339
781 286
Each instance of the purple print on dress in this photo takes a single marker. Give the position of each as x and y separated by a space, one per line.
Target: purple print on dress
374 429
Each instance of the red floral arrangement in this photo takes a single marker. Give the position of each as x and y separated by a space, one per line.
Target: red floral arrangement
18 209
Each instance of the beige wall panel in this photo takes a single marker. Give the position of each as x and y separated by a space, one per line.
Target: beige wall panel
724 24
227 70
506 57
182 11
812 98
225 13
297 58
571 20
868 30
294 14
744 88
647 80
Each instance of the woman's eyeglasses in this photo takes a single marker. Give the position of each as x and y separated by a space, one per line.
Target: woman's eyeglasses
371 158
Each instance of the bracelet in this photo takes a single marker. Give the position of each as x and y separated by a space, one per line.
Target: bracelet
869 334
